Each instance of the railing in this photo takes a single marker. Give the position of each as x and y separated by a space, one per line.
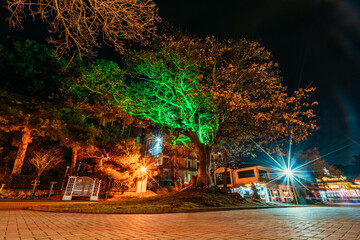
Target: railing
24 182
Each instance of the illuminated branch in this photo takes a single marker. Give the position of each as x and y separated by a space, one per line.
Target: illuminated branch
80 26
210 91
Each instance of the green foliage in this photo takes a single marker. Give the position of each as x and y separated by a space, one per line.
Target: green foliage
17 111
29 68
78 128
76 116
98 82
170 94
210 90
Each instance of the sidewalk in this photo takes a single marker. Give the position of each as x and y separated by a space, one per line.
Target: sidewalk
273 223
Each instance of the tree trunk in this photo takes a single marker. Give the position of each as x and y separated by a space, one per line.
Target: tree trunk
74 152
177 165
174 168
203 176
20 156
103 121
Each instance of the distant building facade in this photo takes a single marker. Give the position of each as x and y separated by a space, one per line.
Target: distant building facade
338 189
179 163
240 180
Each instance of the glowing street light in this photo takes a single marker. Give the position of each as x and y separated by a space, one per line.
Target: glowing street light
290 176
289 172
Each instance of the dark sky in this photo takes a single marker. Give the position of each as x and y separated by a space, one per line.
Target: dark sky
316 42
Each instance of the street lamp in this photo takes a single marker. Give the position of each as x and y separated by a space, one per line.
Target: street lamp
289 172
62 184
142 180
290 175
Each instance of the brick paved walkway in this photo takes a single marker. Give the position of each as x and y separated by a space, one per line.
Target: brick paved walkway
285 223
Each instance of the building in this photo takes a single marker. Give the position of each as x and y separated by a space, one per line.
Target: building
338 189
180 164
241 180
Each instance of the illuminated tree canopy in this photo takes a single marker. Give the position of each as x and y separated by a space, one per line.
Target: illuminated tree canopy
207 91
171 95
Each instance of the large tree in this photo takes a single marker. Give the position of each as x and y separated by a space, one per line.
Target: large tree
208 91
29 74
31 118
95 90
80 26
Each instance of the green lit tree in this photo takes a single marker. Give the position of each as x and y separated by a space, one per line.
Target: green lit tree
98 84
94 92
207 91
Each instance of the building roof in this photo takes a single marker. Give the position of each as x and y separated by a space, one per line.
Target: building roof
249 165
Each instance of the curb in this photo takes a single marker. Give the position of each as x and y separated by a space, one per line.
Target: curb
154 211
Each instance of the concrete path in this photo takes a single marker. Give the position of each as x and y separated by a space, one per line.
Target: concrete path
284 223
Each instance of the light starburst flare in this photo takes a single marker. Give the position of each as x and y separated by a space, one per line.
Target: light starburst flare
288 170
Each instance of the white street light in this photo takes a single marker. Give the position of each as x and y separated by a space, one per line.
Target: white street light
288 172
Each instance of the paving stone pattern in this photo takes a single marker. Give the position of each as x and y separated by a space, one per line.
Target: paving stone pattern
284 223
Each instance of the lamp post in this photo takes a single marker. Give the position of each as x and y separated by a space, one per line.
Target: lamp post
142 180
289 173
62 184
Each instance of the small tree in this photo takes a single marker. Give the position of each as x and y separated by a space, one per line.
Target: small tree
317 166
255 195
120 162
45 160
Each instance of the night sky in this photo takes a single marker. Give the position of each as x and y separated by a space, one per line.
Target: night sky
315 42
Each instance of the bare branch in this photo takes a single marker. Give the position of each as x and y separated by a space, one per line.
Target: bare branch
45 160
79 26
